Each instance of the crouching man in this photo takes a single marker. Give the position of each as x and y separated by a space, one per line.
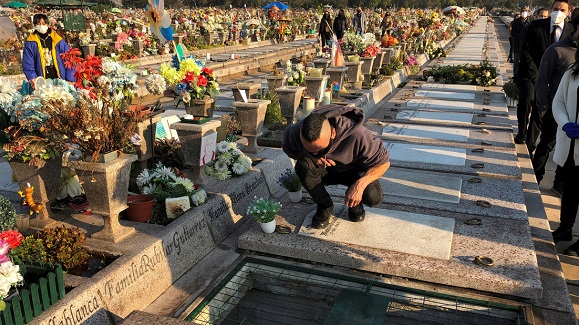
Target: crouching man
332 146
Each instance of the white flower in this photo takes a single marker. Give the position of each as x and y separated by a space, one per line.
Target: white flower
165 172
299 67
290 79
225 157
236 153
246 161
296 75
238 169
186 97
487 73
143 178
220 166
223 146
149 189
232 145
187 183
223 175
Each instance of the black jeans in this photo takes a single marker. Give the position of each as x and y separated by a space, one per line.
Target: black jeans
570 194
545 146
314 178
325 38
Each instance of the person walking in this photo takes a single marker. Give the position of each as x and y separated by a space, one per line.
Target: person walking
565 110
517 27
340 25
332 146
325 32
359 22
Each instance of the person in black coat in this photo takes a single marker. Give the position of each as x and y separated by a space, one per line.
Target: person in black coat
340 24
517 27
325 32
537 38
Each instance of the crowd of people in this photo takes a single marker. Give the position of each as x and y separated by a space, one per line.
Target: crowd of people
546 71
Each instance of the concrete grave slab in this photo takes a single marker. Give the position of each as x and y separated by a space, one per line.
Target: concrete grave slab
424 131
420 191
515 270
428 117
453 87
425 235
444 94
439 104
448 136
490 162
275 162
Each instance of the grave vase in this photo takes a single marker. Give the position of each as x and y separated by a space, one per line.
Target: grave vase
354 71
289 101
315 86
274 82
106 186
208 38
368 63
139 45
336 74
46 183
387 56
251 116
201 107
249 88
146 130
88 49
268 227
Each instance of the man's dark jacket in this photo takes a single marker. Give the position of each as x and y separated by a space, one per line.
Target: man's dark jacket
354 147
536 40
517 27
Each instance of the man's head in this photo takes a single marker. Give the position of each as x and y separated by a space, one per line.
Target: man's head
524 12
359 10
40 22
559 11
542 13
317 134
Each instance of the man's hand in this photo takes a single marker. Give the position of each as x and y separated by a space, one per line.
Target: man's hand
354 194
325 162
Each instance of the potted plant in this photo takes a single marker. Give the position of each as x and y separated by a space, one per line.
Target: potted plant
291 182
264 212
194 83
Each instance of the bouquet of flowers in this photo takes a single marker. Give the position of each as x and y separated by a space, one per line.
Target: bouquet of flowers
295 76
371 51
9 94
485 75
155 84
164 182
9 273
190 79
229 162
264 210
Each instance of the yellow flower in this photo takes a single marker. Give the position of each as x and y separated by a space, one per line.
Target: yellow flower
189 65
170 74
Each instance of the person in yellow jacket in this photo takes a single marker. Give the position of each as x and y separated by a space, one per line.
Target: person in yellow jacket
42 50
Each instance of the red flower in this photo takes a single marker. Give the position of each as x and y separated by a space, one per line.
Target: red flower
189 77
207 71
202 81
71 57
12 237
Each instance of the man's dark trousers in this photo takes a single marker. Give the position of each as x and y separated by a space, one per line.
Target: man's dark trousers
545 146
314 178
526 89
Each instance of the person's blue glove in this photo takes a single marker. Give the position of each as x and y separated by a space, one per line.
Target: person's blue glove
572 130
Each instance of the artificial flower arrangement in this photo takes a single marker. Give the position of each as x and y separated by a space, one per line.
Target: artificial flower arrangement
371 51
169 182
190 79
28 138
9 273
412 62
9 94
485 75
389 41
263 210
100 121
229 162
295 76
358 43
155 84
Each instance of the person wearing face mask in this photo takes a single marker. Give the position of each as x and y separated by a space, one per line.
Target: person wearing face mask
359 22
42 50
325 32
332 146
340 25
542 13
517 27
538 37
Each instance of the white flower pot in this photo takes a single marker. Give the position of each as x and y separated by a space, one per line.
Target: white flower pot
295 197
268 227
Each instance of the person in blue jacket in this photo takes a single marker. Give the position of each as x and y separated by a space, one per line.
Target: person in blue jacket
42 50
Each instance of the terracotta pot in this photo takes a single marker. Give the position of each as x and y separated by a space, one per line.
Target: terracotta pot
140 207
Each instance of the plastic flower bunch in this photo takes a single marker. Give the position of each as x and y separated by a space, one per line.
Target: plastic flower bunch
165 182
9 273
295 76
57 89
371 51
190 78
155 84
9 95
263 210
229 162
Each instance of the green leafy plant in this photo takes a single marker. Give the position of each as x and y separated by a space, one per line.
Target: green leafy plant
168 152
264 210
65 246
7 214
273 112
511 90
30 250
290 180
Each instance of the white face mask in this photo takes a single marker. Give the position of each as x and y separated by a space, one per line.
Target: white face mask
557 17
524 14
42 29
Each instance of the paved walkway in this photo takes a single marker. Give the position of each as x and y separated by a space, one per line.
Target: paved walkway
551 200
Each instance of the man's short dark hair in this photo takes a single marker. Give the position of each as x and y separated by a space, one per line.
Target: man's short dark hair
541 9
37 17
565 1
312 127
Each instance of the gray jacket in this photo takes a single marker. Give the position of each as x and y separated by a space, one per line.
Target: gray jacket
359 22
556 60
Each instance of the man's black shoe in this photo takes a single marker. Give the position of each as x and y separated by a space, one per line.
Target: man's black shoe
357 213
519 139
557 188
322 217
561 234
572 250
